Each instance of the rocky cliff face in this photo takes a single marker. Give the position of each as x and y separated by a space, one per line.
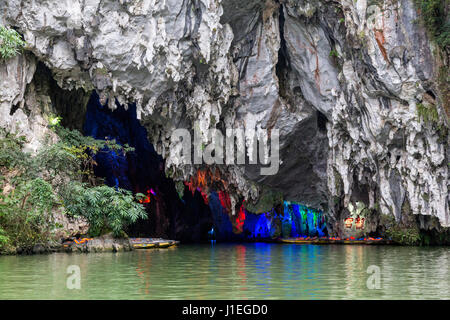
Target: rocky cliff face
349 84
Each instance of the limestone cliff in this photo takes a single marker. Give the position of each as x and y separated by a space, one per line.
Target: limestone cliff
348 84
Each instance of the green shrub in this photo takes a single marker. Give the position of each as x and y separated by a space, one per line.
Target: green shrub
443 38
57 159
404 236
429 114
334 54
31 187
11 145
25 214
74 139
11 43
4 240
81 149
105 208
54 159
434 17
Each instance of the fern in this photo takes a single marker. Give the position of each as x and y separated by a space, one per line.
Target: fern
11 43
105 208
37 185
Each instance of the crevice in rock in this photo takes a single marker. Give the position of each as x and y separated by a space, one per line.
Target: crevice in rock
14 108
321 122
283 64
70 105
188 32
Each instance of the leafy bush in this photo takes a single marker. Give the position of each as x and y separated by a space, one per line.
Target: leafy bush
405 232
25 214
105 208
434 17
4 240
11 43
52 160
83 149
73 138
404 236
11 145
55 160
429 113
31 187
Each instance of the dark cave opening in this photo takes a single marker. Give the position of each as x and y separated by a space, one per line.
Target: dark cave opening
142 171
194 217
321 122
283 65
70 105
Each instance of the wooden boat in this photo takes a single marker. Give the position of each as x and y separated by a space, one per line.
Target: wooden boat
323 241
299 240
149 243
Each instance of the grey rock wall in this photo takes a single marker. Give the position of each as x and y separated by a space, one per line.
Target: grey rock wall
341 80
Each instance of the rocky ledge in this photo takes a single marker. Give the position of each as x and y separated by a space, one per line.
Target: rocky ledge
95 245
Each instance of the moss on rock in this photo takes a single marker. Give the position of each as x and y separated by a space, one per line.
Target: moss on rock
268 200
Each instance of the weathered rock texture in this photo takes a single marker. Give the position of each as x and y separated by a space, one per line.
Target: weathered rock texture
341 80
68 227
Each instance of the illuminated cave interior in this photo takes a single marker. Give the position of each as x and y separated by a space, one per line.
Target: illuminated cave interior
195 216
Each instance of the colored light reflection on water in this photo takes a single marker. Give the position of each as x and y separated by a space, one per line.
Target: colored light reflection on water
295 220
233 271
303 221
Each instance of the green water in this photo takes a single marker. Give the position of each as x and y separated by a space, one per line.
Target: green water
233 271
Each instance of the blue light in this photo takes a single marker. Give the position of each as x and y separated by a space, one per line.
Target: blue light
297 220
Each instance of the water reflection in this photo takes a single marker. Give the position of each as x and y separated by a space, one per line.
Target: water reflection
233 271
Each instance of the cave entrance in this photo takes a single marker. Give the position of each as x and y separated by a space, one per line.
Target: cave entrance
189 216
185 218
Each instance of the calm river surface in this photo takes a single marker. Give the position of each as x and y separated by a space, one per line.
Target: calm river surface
234 271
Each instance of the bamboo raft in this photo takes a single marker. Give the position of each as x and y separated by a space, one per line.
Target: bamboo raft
150 243
322 241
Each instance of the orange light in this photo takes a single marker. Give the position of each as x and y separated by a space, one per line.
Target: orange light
201 178
360 223
84 240
147 199
348 222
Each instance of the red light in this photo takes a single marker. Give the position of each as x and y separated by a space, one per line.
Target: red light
205 197
241 218
147 199
191 187
225 200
